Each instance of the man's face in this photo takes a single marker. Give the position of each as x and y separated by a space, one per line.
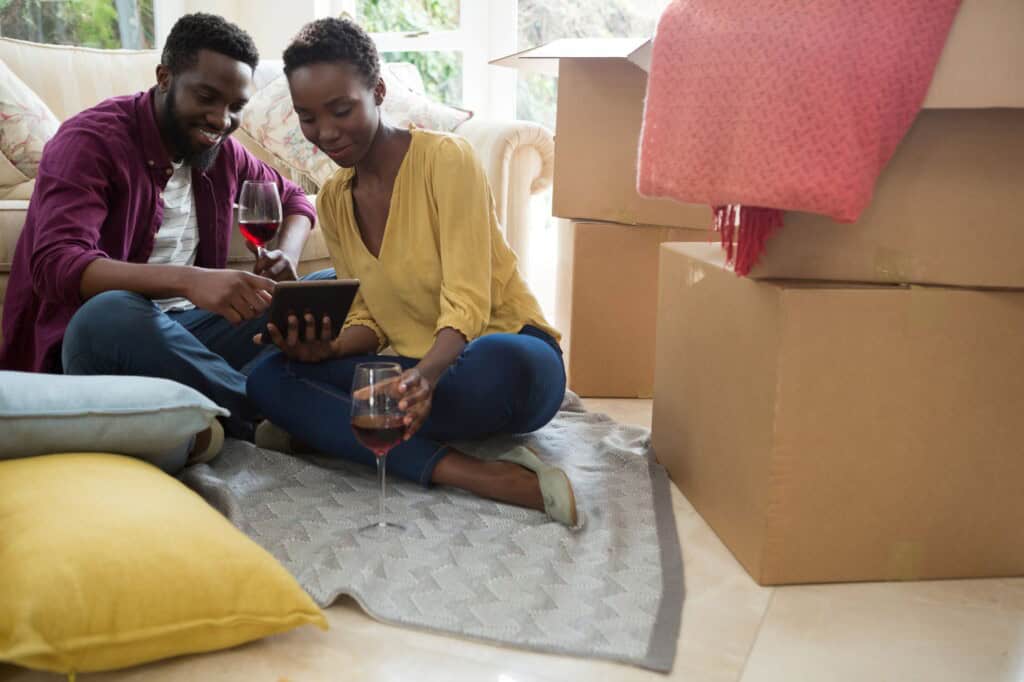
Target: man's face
202 105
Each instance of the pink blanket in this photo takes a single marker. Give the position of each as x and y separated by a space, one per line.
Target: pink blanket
759 107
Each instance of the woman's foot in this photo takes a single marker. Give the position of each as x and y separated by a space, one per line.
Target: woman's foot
270 436
517 477
208 444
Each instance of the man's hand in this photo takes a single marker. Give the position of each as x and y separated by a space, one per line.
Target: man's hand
232 294
273 264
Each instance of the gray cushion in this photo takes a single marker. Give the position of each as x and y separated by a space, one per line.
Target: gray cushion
139 416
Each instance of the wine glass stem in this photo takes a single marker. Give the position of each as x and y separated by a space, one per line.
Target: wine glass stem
381 462
260 252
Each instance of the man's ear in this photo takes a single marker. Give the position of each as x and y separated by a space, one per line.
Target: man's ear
163 78
380 92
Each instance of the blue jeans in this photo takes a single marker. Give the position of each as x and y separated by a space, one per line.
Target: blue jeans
500 384
121 332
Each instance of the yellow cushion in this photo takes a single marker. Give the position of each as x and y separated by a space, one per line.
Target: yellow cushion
106 562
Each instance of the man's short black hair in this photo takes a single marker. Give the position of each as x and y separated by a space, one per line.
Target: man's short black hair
201 31
334 40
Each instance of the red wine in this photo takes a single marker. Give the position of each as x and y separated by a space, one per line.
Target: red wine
378 433
258 234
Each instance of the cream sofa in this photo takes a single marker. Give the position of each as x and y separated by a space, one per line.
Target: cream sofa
517 155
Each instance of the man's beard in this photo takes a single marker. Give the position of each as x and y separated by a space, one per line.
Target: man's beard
197 157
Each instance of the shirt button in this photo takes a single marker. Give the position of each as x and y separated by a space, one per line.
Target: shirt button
169 171
150 162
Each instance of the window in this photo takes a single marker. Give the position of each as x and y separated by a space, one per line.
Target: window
449 41
401 23
90 23
541 21
400 16
425 33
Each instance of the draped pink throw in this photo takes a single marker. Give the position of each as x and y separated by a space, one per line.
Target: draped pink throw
756 108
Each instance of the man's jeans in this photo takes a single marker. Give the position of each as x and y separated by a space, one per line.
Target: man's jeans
120 332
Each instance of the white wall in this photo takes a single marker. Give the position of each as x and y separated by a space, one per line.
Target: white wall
271 23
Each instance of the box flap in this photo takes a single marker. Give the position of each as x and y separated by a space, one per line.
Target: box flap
980 66
544 59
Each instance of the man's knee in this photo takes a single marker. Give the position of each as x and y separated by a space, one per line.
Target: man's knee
102 323
327 273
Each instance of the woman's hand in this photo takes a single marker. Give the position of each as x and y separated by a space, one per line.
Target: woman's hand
416 394
307 349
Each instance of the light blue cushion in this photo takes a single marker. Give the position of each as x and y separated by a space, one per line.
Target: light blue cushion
139 416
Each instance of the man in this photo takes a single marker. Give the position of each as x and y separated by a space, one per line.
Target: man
120 267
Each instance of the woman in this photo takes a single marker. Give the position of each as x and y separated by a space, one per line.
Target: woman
410 214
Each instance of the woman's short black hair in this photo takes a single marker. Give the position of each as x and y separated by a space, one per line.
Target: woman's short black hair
201 31
334 40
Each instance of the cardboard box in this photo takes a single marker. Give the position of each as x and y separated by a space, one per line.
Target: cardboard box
843 433
946 210
601 89
602 84
612 303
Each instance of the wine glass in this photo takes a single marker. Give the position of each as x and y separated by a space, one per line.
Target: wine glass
377 422
259 213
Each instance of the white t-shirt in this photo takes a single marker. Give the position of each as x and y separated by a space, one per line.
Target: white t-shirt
177 240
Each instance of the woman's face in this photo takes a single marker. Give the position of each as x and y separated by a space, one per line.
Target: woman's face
337 111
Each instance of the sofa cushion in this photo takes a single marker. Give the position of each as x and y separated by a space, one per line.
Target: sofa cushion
70 79
141 416
404 105
10 177
22 191
26 124
107 562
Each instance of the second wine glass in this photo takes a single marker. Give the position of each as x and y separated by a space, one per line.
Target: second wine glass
378 424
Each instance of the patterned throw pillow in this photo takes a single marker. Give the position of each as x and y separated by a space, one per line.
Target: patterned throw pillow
26 123
270 119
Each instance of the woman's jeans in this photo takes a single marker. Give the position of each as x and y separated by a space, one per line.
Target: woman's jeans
500 384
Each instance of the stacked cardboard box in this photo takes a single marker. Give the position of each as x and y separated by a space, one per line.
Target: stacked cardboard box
608 244
852 410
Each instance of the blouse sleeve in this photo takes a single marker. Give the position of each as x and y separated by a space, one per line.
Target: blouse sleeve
464 206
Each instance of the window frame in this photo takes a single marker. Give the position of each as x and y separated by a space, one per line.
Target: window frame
487 30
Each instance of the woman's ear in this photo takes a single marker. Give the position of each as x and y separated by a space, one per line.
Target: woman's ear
380 92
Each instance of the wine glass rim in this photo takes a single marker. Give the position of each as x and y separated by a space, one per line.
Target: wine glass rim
259 182
379 365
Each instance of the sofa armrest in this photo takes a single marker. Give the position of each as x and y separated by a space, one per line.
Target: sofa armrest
518 157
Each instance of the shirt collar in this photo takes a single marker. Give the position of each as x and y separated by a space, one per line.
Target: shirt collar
152 145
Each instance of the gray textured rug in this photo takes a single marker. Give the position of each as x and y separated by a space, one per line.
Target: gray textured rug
612 589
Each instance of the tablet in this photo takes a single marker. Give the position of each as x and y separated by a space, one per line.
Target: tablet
331 297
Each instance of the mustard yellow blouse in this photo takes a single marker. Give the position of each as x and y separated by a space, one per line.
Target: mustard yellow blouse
443 262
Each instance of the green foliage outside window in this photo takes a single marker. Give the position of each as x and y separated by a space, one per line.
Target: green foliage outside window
387 16
90 23
441 71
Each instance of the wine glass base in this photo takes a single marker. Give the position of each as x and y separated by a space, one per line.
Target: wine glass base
381 529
